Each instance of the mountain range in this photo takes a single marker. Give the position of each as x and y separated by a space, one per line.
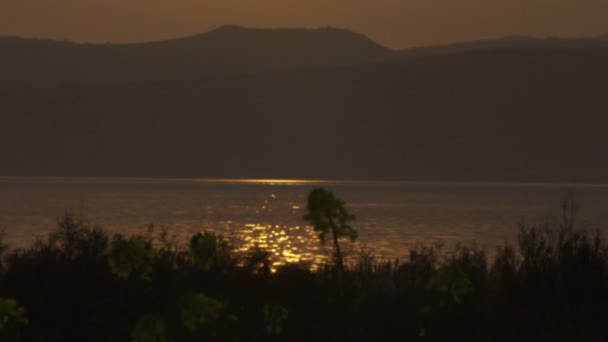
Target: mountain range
228 49
300 103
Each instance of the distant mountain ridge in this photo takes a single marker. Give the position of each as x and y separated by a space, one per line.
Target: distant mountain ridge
508 42
294 103
229 49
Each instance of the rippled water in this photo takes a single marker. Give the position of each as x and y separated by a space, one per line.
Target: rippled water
391 216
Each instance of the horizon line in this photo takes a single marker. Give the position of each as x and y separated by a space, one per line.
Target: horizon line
302 181
311 28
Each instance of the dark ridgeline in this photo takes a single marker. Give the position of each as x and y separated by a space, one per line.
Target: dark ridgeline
509 42
229 49
512 109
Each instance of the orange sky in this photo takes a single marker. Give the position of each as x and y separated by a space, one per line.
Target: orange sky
395 23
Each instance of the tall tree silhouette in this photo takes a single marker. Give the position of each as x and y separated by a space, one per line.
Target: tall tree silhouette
327 214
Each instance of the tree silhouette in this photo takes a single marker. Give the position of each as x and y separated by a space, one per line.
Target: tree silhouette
327 214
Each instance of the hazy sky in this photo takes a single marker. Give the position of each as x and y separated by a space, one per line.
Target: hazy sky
395 23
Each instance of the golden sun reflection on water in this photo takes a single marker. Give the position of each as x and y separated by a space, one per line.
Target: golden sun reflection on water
272 181
286 244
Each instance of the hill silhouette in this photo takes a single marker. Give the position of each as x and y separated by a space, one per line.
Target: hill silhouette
509 42
522 113
228 49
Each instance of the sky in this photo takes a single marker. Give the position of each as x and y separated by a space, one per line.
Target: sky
393 23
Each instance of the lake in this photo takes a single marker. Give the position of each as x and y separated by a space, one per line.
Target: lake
392 217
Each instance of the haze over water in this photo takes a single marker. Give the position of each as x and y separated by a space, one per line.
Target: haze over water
391 216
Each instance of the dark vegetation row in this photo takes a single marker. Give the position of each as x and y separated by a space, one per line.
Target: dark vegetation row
81 284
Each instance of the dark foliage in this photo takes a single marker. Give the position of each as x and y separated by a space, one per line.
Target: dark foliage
83 285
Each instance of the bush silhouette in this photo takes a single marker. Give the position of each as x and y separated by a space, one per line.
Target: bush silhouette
451 280
199 310
131 256
11 313
208 250
149 329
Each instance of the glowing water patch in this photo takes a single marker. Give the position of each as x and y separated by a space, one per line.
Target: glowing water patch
286 244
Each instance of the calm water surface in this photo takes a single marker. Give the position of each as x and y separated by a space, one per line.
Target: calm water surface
391 216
